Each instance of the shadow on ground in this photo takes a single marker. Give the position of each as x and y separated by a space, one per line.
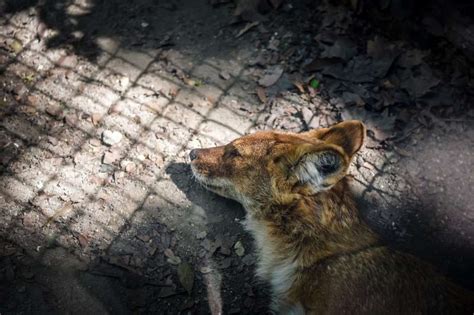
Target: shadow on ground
78 24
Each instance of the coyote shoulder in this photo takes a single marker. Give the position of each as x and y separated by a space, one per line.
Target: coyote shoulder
317 254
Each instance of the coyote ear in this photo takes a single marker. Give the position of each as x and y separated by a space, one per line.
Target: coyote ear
349 135
321 169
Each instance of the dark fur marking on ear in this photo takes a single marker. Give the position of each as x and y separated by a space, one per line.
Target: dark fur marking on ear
328 163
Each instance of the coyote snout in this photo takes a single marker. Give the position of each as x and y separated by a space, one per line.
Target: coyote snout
313 248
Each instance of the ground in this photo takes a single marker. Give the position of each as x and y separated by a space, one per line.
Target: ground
101 101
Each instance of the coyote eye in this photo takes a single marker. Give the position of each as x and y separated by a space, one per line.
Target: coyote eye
231 152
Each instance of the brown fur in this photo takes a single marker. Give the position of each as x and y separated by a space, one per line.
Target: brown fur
313 248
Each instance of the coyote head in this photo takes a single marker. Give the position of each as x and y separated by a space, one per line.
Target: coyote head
270 165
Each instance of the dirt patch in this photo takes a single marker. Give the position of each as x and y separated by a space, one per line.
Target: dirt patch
101 102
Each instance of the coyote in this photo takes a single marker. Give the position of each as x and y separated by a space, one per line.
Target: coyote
313 248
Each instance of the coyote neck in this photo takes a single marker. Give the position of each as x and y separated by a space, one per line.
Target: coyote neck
311 228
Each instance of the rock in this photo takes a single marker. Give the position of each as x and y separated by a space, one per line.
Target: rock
71 120
106 168
239 249
118 175
55 111
207 244
95 142
224 75
95 118
96 180
110 157
110 137
201 235
157 159
68 61
53 141
172 258
143 237
115 108
130 167
175 260
124 81
205 269
307 115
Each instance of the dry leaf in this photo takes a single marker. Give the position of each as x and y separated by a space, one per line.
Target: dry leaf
59 213
186 276
299 86
262 94
83 241
239 249
247 28
271 76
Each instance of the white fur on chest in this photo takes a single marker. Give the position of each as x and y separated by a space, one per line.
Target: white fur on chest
278 271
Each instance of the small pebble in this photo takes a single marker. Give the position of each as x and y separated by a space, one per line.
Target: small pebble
224 75
110 137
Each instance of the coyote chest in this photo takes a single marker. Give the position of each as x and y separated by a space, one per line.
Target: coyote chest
278 271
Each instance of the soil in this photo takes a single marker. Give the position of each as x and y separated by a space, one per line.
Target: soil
101 101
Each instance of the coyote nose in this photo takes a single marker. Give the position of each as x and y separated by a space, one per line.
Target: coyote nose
193 154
